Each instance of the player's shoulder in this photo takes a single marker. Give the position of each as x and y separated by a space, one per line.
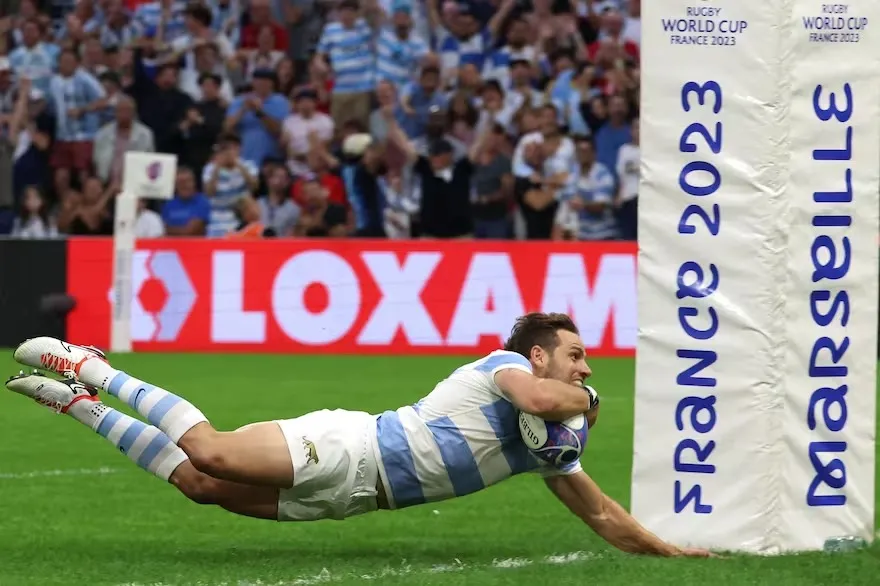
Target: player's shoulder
499 360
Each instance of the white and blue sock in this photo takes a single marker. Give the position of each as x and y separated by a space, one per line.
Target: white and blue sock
144 444
171 414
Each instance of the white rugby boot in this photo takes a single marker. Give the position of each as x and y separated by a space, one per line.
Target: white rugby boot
55 355
57 395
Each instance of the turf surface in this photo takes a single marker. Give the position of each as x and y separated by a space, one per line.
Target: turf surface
73 511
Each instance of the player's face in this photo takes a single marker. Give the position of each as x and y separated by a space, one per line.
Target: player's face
568 361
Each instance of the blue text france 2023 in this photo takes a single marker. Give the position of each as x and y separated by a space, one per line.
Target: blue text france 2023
831 254
835 24
695 412
704 26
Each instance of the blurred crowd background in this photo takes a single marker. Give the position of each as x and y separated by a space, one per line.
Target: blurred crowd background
366 118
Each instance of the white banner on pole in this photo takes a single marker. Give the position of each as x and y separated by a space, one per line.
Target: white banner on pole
145 176
729 132
123 251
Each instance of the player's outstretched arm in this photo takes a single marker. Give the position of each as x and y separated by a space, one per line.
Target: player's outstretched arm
546 398
607 518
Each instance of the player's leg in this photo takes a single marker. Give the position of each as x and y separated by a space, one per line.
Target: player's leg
260 502
256 455
146 446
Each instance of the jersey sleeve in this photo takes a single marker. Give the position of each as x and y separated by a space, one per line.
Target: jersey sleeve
501 360
549 471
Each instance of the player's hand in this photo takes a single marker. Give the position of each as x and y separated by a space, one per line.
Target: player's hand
696 552
592 413
592 416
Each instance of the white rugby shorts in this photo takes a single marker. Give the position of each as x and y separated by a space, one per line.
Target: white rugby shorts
334 466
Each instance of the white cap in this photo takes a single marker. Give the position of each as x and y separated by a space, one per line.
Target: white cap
356 144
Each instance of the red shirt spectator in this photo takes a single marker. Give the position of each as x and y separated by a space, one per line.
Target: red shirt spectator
629 48
261 15
251 32
323 104
612 45
320 81
332 183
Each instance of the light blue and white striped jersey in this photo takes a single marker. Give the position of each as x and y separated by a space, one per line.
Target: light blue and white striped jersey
397 58
455 52
75 92
231 189
37 64
120 37
351 56
593 186
463 437
222 16
90 27
149 15
498 63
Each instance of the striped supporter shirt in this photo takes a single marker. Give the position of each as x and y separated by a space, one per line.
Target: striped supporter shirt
351 56
232 188
396 58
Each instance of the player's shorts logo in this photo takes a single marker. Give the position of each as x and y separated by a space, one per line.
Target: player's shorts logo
311 451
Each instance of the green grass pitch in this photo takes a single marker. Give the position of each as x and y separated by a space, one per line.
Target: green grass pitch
63 522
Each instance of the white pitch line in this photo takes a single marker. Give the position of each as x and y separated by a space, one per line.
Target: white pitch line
405 569
103 471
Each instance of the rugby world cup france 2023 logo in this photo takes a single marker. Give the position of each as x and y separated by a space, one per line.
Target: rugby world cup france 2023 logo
154 170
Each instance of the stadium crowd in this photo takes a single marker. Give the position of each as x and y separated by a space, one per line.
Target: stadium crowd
373 118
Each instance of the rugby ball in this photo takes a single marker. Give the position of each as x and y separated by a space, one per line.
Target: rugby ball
559 443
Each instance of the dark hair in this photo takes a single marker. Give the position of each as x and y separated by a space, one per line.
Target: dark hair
354 125
227 138
110 77
470 116
43 212
172 65
492 85
71 52
561 53
199 13
577 138
552 107
538 329
209 76
36 23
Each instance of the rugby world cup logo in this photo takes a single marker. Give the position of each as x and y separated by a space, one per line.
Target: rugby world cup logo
154 169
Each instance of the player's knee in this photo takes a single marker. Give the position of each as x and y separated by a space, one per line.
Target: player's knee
198 488
207 458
